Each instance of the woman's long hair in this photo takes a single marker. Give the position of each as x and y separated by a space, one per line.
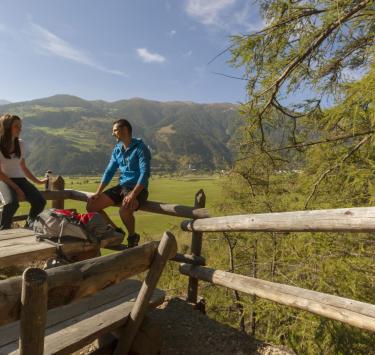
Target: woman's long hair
6 122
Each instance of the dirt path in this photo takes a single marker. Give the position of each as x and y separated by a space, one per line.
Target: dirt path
187 331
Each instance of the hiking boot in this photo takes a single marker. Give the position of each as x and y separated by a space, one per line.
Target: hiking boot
133 240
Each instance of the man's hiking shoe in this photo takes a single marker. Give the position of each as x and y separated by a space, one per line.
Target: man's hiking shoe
133 240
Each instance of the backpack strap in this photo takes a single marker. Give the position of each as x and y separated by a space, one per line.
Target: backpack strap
58 246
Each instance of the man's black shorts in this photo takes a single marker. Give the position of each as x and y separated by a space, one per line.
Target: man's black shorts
117 194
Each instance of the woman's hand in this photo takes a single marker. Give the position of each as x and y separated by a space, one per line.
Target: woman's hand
42 181
20 194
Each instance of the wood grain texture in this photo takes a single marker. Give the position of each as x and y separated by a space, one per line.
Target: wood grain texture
358 314
196 249
33 311
75 281
150 206
19 247
361 219
73 326
166 249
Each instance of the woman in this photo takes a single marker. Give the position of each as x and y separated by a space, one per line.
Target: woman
13 172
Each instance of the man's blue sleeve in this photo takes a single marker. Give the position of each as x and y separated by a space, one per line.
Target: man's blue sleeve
110 170
144 156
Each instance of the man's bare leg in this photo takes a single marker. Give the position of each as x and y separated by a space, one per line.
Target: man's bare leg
98 205
127 217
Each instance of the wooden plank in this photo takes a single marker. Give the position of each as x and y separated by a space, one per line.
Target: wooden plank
15 233
9 333
84 330
55 195
166 249
21 250
151 206
358 314
75 281
20 217
72 334
361 219
174 210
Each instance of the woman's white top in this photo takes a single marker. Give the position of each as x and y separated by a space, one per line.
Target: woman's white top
11 167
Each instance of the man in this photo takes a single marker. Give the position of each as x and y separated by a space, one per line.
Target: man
132 157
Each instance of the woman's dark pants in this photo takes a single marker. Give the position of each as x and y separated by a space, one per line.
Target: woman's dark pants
9 199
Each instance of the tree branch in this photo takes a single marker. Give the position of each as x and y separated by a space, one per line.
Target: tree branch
325 173
315 44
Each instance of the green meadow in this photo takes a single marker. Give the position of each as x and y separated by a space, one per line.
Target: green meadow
179 190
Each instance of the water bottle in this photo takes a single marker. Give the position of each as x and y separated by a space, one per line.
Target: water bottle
48 184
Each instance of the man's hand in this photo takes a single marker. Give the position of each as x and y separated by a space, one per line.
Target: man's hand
129 200
95 196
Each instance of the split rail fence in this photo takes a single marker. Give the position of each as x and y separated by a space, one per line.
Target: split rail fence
350 220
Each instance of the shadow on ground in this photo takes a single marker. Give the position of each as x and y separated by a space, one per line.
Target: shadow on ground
188 331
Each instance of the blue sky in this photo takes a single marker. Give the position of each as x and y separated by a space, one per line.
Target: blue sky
118 49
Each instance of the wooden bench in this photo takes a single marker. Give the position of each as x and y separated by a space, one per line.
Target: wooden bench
86 300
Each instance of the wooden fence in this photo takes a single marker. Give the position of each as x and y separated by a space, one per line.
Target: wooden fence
355 313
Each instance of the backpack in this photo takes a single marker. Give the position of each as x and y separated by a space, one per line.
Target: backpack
56 223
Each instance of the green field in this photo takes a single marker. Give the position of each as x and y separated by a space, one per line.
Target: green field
179 190
169 190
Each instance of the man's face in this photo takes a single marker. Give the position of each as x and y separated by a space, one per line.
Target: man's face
120 133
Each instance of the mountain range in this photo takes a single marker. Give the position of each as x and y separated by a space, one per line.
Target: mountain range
70 135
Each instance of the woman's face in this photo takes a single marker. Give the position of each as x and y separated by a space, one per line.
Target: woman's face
16 128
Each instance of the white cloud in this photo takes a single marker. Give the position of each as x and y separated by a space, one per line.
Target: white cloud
149 57
227 15
52 44
207 11
172 33
245 19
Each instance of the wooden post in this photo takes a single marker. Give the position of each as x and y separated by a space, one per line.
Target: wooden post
196 248
33 311
167 247
58 185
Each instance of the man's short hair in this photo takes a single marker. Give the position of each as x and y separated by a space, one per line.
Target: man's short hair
124 123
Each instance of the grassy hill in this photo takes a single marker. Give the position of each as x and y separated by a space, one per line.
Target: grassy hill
71 135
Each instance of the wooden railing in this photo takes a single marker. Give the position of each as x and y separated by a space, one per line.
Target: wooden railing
359 314
59 195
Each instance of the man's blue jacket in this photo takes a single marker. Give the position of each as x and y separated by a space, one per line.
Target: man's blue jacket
133 163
